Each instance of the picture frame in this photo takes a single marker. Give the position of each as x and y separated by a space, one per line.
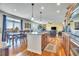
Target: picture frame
27 25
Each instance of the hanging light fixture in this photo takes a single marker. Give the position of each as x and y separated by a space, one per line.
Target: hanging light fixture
32 12
40 15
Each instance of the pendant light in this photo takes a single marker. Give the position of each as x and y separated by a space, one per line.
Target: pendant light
40 15
32 12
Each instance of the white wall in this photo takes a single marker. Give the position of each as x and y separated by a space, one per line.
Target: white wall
1 24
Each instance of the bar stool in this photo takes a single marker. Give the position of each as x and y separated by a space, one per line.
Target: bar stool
9 38
16 39
19 37
24 38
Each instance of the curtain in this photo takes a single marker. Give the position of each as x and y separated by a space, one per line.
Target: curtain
4 29
21 24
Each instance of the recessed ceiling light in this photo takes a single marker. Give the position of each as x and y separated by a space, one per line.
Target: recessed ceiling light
58 4
58 11
14 9
42 8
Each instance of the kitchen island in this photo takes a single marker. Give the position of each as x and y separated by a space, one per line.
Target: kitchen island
36 42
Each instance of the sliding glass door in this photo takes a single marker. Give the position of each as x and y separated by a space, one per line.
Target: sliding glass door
12 26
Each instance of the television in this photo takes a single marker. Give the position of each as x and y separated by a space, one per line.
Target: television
53 28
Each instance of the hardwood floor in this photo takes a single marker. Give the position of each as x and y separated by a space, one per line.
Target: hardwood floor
22 50
60 49
16 50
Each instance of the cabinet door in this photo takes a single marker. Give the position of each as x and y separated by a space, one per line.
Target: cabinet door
44 41
34 43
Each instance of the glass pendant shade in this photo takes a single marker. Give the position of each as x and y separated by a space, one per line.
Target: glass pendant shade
32 18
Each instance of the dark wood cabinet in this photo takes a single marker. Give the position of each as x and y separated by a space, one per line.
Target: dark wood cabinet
44 40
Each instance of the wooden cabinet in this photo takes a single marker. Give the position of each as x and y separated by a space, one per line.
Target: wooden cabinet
74 49
66 43
74 45
4 50
44 40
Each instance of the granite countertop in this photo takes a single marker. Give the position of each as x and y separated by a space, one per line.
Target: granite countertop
36 33
74 39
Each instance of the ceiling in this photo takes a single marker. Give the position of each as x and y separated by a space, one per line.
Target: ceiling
49 11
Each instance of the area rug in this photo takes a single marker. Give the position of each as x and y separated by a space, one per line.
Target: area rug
51 48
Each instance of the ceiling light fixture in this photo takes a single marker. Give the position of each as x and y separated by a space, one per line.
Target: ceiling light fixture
42 8
58 4
32 18
32 12
58 11
40 15
14 9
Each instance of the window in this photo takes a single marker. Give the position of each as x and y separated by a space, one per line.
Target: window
13 23
9 24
